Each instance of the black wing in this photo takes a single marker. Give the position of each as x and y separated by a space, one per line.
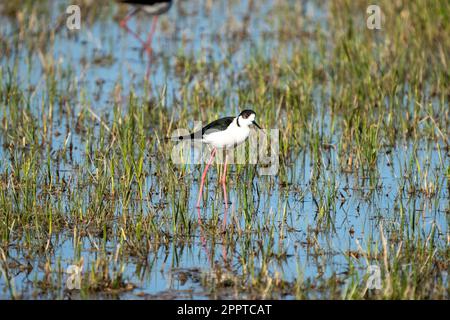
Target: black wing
217 125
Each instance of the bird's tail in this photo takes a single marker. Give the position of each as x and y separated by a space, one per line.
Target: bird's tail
181 138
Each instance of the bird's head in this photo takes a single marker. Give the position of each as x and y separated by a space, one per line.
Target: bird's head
247 118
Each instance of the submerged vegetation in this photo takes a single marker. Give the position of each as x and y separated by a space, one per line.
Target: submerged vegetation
87 179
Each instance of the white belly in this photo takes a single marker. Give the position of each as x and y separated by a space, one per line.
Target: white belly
228 138
157 8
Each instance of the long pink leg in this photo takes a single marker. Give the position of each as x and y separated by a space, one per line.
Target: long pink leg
224 187
148 46
223 180
148 43
147 72
224 255
225 212
213 153
123 24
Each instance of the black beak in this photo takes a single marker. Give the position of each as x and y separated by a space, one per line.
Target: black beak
254 122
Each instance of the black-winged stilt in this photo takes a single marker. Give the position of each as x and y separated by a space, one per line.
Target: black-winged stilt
224 133
151 7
